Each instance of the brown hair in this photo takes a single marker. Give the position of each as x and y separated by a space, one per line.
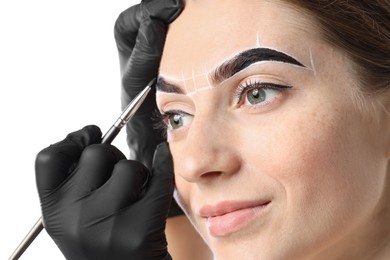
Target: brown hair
362 29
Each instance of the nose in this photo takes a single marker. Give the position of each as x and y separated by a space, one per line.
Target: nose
210 151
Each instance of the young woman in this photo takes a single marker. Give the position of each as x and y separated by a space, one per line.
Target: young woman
278 124
277 119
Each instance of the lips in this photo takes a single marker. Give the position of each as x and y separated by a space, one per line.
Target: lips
230 216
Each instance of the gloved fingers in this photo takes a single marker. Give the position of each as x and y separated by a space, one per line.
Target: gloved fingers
143 65
143 138
125 32
159 192
121 190
128 22
95 167
54 164
144 61
164 10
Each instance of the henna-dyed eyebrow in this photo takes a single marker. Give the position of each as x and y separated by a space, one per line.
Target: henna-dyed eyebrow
234 65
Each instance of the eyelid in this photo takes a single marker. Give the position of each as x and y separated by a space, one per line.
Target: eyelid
174 111
254 84
168 131
167 100
165 114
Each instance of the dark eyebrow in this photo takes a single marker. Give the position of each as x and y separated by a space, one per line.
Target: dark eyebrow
234 65
164 86
246 58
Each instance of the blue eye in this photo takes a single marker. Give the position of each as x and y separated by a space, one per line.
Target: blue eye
255 93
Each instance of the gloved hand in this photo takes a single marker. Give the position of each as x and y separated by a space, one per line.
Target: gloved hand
140 36
95 204
140 33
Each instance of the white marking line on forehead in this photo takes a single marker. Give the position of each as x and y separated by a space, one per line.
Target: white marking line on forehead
258 40
172 78
182 79
207 77
201 89
184 82
206 72
238 74
232 57
193 76
260 63
313 68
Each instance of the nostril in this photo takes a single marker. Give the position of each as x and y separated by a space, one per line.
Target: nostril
209 175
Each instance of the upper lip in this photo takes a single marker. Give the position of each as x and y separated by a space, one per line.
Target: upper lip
226 207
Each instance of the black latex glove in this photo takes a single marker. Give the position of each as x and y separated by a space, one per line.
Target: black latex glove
140 33
95 204
140 36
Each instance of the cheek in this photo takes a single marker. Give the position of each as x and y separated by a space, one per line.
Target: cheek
311 156
183 187
325 167
329 153
301 154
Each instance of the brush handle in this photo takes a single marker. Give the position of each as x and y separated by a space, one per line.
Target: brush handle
34 232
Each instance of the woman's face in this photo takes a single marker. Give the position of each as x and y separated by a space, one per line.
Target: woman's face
275 154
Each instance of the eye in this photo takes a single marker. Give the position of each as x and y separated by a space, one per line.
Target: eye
175 119
257 93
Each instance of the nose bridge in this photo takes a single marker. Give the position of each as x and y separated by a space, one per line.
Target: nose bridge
203 133
208 150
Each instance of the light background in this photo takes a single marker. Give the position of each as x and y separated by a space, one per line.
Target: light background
59 71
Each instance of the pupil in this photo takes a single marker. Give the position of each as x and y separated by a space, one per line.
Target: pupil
256 96
176 119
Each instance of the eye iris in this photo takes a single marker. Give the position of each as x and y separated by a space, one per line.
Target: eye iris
256 96
175 121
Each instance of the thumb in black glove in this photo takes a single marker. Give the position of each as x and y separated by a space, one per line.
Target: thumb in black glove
95 204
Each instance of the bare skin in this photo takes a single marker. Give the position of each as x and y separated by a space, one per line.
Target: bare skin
281 159
184 242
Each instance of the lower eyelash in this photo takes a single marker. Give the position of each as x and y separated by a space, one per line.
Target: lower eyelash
159 124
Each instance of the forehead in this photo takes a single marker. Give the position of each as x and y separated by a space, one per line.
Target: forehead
209 32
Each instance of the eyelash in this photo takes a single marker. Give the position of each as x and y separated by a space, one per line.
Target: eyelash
161 120
163 117
252 84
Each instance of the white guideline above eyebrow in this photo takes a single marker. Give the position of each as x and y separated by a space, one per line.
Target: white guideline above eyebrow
312 66
193 76
258 45
253 68
182 79
201 81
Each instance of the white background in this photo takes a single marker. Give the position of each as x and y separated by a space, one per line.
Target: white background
59 71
